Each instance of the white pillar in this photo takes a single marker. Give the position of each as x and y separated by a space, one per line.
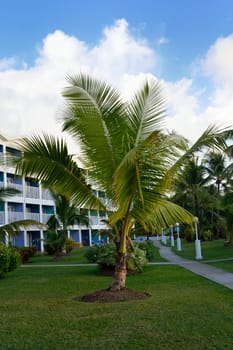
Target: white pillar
172 237
25 238
197 241
178 240
90 237
79 236
41 240
164 238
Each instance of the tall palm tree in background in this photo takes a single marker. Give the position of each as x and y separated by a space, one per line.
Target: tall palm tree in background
219 172
217 169
190 186
127 154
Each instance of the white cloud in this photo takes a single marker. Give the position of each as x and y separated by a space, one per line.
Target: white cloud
7 63
163 40
30 97
218 62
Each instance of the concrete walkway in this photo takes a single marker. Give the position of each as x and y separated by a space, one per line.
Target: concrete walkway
210 272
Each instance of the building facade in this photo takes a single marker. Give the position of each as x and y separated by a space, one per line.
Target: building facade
36 203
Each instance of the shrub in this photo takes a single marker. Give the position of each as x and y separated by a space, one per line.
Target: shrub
70 244
104 255
9 259
15 260
92 253
54 242
136 260
207 235
26 253
149 249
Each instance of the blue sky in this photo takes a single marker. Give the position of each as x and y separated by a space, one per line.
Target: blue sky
191 26
184 43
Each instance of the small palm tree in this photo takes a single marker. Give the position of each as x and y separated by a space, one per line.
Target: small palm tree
67 214
127 153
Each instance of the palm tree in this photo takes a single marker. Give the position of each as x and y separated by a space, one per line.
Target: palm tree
126 152
190 185
219 173
12 228
227 205
67 214
217 169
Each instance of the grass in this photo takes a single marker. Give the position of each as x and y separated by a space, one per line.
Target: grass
224 265
77 256
38 311
210 250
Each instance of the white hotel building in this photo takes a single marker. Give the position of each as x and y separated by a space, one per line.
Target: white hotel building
36 203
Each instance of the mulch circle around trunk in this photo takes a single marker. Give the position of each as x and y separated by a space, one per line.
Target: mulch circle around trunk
107 296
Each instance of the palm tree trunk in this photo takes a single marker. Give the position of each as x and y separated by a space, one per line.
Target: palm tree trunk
120 272
119 278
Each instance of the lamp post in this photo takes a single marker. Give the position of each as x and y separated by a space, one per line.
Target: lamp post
178 240
164 237
197 241
172 236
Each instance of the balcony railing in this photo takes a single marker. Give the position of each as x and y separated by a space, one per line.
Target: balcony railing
15 216
94 220
46 194
32 192
17 187
2 218
45 218
32 216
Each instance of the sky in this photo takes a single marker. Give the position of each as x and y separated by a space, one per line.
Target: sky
186 44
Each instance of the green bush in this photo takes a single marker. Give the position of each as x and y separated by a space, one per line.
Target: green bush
26 253
104 255
136 259
70 244
92 253
149 248
15 260
54 242
9 259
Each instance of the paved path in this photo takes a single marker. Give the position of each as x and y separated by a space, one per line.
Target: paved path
210 272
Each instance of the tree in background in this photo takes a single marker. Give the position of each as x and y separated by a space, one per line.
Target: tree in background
67 214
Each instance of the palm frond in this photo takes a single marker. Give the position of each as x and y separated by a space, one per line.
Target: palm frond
12 228
6 192
95 114
146 112
46 158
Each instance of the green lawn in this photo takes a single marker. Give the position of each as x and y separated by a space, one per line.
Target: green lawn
77 256
210 250
185 311
224 265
